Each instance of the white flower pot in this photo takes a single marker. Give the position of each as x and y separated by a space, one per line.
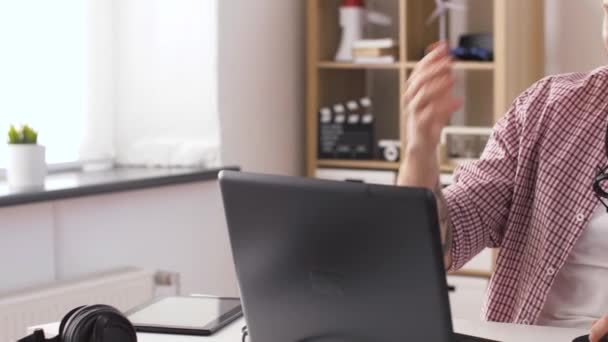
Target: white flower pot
26 166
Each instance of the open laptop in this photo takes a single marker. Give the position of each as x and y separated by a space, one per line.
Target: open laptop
322 261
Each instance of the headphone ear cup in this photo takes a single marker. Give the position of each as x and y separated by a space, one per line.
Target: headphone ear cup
99 323
80 325
113 327
65 319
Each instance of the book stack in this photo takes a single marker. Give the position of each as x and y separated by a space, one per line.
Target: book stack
375 51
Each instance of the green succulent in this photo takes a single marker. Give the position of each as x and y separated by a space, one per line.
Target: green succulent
25 135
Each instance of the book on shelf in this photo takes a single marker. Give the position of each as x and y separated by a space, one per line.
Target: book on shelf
375 52
385 43
374 60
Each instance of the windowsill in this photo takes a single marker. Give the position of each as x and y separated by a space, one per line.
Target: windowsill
73 184
56 168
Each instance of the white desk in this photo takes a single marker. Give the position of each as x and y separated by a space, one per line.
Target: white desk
496 331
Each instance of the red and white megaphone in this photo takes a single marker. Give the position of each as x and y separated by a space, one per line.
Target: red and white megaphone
353 18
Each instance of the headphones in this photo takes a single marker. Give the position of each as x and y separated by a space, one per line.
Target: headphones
94 323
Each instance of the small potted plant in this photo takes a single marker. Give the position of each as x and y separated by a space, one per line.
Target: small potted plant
27 160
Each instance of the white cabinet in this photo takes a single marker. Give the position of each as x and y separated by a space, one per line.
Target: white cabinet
467 300
364 176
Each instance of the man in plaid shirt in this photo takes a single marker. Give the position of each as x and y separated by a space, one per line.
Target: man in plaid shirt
531 194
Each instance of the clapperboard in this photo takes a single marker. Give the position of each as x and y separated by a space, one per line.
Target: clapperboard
346 131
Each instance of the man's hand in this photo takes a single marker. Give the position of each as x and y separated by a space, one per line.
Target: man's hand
599 330
429 100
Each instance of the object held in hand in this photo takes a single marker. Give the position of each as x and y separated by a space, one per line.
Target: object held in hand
441 13
475 47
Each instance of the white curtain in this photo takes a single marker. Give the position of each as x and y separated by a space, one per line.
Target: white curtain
153 64
99 121
166 86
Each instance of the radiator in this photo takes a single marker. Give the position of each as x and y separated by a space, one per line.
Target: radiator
123 289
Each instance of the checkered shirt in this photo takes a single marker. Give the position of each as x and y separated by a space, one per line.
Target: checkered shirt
531 192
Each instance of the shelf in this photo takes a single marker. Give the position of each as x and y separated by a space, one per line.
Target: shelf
473 274
358 164
355 66
447 168
372 164
483 66
463 65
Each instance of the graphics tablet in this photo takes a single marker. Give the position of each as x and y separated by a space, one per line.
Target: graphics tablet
201 316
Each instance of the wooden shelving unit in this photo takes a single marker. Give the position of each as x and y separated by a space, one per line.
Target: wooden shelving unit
353 66
518 29
358 164
397 66
463 65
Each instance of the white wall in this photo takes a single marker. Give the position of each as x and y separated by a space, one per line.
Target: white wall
177 228
166 71
262 84
26 248
573 36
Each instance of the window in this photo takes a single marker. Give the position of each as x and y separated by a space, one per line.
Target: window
99 79
42 73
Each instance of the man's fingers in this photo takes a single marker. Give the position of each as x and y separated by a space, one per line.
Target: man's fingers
436 63
437 51
416 105
434 91
433 46
440 113
419 80
599 330
447 108
428 99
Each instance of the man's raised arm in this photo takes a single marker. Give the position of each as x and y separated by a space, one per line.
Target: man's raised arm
429 103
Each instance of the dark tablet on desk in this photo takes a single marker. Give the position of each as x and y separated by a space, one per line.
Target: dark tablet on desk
186 315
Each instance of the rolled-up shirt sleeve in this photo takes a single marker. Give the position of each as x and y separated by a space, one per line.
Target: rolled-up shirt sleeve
480 199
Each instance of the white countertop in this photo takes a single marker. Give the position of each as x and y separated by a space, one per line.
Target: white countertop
495 331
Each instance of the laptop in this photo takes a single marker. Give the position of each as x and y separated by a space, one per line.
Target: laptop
323 261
